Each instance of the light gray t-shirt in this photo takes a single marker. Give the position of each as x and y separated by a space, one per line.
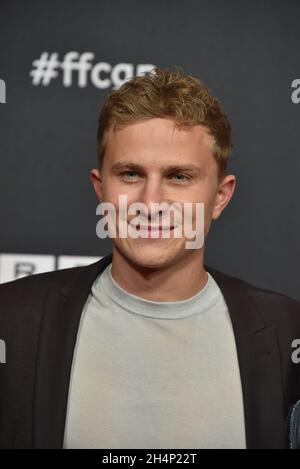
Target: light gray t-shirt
150 374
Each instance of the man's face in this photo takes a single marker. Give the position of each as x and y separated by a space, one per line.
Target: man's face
156 145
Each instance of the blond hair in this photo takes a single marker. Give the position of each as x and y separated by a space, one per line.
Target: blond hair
172 94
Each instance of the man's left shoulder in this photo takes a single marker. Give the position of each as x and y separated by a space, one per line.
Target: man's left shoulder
272 305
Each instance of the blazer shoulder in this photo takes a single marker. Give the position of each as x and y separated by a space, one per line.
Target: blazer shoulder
270 302
32 288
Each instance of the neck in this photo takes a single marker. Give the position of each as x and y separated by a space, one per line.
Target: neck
175 282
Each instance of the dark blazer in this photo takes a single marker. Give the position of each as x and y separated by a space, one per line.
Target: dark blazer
39 319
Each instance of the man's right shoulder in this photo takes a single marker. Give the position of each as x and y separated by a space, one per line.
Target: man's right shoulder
30 291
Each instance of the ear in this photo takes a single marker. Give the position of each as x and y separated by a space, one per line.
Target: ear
96 179
225 192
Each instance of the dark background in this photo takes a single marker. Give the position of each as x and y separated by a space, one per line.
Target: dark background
245 52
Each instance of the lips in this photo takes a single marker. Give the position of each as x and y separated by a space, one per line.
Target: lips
155 228
150 230
152 227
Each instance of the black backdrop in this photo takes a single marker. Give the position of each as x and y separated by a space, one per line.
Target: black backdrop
246 52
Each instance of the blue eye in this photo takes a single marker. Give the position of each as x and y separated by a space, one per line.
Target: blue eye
125 174
179 174
130 175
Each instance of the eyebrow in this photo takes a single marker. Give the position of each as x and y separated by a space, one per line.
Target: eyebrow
119 165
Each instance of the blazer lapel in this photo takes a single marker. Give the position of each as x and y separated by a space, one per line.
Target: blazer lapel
58 335
260 367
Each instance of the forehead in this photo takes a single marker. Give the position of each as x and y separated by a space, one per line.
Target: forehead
158 140
158 131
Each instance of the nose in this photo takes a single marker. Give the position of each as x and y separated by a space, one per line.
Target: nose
153 192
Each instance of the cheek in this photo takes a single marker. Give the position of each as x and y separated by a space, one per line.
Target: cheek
111 190
209 206
208 200
205 196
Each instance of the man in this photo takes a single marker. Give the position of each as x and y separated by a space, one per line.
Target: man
149 347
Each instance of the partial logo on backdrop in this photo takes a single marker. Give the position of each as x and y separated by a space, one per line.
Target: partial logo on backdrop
296 353
2 351
15 266
2 91
295 96
79 69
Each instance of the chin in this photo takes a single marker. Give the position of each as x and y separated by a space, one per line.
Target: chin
150 256
151 263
